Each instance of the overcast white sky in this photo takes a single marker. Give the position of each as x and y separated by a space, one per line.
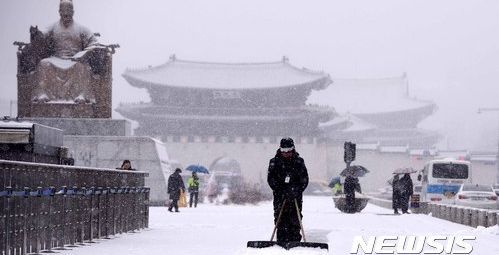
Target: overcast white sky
449 48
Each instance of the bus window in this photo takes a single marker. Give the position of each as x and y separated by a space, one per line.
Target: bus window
450 171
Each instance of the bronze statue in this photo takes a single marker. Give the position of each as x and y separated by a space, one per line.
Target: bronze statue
64 71
63 75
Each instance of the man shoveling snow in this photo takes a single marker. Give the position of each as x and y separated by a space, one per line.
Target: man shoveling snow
288 178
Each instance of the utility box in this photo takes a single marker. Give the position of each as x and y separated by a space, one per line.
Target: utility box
32 142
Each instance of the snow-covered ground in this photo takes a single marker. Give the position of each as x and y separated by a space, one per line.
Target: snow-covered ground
225 229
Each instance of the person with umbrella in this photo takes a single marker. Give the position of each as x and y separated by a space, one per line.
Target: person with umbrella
351 185
193 187
402 189
197 169
175 185
406 191
288 178
336 186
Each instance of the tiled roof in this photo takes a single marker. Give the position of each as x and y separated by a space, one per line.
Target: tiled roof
190 74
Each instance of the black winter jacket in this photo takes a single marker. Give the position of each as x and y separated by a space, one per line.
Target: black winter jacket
280 168
406 186
351 185
175 184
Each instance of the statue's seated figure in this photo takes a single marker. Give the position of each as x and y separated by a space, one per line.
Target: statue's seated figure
62 76
65 64
65 54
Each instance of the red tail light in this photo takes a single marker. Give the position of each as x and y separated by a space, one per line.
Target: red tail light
492 198
436 199
462 197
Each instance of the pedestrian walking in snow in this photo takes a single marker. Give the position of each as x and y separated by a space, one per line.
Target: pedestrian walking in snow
396 193
351 185
193 188
175 186
406 191
288 178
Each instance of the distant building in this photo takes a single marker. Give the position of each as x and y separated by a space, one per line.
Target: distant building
377 113
207 111
227 102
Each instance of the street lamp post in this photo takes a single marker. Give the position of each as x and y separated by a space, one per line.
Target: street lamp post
494 109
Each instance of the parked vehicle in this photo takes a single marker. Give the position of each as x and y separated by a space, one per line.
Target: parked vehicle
442 178
476 195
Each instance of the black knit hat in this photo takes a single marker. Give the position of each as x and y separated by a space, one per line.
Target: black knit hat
287 143
178 170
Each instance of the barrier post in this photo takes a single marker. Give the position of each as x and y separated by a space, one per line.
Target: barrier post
491 218
482 218
474 217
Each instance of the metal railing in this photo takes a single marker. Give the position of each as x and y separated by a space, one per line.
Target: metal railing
46 207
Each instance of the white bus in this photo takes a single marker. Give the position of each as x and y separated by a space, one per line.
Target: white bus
442 178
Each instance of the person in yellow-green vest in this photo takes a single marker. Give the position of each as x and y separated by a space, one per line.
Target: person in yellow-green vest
337 189
193 188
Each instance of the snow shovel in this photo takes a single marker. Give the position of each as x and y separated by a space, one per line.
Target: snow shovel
289 245
265 244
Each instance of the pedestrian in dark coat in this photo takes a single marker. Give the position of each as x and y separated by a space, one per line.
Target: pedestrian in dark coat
288 178
396 194
406 191
351 185
175 185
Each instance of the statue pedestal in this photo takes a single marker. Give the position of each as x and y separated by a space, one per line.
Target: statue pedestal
145 153
67 110
87 126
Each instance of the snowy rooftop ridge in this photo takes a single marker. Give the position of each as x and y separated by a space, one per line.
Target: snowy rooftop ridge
216 75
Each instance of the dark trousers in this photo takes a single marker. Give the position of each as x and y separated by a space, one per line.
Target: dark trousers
173 204
404 202
289 227
396 200
193 196
350 202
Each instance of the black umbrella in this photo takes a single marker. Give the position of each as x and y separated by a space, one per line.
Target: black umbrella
355 171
